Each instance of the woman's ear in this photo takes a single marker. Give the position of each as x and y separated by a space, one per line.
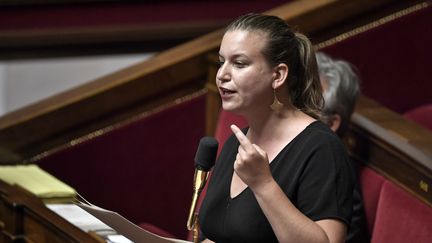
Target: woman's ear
280 75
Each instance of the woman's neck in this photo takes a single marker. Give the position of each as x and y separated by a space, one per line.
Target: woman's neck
273 131
270 125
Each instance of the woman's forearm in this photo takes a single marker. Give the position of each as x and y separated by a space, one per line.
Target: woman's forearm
288 223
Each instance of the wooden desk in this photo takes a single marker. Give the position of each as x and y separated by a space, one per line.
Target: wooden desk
25 218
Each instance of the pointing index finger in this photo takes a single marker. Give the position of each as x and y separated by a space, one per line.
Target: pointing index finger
244 141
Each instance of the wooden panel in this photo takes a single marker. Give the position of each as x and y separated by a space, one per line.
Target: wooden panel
26 219
213 97
9 220
138 88
27 29
397 148
129 24
100 40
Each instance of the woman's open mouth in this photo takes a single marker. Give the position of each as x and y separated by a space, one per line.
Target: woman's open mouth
225 91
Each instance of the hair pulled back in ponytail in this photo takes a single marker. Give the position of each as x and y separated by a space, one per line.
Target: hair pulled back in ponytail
310 100
295 50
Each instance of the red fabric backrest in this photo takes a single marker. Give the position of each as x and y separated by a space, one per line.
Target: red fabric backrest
391 63
401 218
422 115
142 170
223 130
370 184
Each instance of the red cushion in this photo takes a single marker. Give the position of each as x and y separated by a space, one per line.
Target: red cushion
401 218
223 130
371 184
422 115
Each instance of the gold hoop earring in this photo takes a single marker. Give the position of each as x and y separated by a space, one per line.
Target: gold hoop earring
277 105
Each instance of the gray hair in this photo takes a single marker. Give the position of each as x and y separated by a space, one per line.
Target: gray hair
342 89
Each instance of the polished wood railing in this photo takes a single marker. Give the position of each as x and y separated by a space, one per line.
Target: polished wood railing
24 218
398 149
57 120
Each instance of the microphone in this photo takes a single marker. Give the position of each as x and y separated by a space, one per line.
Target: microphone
204 160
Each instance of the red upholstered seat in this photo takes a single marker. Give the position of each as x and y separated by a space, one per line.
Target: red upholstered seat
370 184
223 130
401 218
422 115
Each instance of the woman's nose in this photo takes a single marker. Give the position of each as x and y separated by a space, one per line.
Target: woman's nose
223 74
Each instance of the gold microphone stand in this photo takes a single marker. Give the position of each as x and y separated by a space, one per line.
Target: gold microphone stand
200 178
195 232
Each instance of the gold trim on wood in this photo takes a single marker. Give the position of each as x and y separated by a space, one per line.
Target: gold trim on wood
372 25
424 186
112 127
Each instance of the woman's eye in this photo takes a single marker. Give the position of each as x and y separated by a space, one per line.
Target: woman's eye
221 63
240 64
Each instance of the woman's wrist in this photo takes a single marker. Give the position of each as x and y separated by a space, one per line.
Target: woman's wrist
265 187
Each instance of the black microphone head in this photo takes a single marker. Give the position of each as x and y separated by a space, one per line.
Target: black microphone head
206 153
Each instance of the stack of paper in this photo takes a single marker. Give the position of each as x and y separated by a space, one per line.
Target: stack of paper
87 222
37 181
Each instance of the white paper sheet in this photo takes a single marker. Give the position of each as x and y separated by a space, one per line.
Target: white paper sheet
125 227
79 217
87 222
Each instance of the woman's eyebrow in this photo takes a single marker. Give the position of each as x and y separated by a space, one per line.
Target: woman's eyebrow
234 56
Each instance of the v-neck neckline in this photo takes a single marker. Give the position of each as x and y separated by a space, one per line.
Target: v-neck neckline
270 163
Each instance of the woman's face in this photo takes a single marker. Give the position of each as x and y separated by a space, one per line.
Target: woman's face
244 77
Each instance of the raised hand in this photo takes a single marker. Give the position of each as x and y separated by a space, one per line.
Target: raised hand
252 164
